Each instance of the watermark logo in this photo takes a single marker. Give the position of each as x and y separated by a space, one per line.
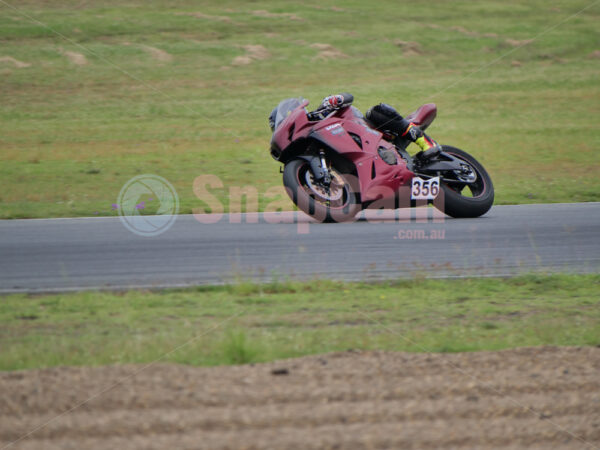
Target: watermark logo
390 206
148 205
421 234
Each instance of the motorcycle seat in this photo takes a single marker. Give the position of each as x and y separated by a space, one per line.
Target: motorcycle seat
423 116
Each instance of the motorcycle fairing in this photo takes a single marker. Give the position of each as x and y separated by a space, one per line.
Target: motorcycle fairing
340 133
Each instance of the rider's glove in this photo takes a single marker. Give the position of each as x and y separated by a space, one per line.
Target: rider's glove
333 102
329 104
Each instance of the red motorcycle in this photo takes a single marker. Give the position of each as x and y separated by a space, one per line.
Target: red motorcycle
338 164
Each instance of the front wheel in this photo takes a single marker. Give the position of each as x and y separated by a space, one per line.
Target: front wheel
337 202
469 193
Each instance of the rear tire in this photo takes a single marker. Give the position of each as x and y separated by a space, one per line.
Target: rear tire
309 199
460 206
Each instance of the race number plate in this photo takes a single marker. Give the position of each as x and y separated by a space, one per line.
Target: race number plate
425 189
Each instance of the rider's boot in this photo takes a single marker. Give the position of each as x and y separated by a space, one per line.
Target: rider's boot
429 147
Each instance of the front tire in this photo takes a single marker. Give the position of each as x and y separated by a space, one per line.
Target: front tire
338 204
468 200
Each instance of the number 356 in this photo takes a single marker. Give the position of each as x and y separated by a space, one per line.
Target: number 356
425 189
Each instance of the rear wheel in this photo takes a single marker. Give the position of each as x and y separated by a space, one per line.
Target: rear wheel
470 192
337 202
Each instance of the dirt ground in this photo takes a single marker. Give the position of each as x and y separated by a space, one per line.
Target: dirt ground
539 398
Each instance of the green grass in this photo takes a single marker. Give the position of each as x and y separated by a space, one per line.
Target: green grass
246 322
72 135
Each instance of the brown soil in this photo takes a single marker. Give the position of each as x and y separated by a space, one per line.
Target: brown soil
253 53
595 54
473 33
517 43
325 8
200 15
270 15
527 398
327 52
15 62
409 48
76 58
158 54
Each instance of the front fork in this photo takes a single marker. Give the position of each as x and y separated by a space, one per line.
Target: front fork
320 170
325 169
319 167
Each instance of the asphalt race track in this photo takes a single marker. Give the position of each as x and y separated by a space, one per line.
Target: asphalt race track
100 253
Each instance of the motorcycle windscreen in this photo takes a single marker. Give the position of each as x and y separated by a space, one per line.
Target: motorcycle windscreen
284 109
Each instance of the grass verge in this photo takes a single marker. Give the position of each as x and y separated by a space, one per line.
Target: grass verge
247 322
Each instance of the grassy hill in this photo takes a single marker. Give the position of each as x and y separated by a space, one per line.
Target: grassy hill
96 92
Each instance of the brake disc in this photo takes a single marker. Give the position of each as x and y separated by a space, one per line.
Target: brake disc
332 193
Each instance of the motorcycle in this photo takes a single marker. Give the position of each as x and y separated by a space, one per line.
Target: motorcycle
338 164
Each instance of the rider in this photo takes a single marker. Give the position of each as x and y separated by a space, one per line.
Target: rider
383 117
